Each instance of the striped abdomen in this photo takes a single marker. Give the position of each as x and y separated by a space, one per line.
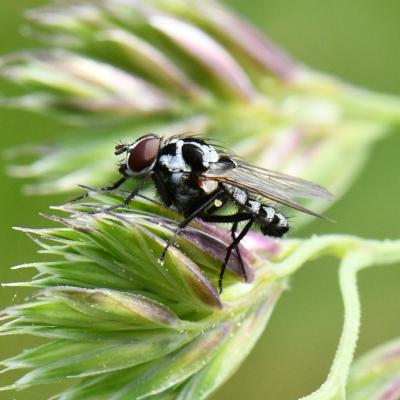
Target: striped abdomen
271 222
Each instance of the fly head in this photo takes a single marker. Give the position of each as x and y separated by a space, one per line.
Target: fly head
141 155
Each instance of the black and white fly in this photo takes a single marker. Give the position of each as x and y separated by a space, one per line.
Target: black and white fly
196 179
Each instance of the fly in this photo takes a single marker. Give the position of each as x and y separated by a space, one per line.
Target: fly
195 179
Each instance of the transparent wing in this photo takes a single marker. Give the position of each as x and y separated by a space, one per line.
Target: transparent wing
272 185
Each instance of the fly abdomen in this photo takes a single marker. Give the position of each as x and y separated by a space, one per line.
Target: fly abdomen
271 222
238 195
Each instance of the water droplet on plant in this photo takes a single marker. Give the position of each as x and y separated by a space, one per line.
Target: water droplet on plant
161 262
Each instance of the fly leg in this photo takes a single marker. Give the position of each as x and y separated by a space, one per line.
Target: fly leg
129 198
110 188
124 203
232 246
237 249
197 212
234 219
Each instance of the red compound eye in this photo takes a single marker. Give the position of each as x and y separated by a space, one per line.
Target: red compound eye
143 153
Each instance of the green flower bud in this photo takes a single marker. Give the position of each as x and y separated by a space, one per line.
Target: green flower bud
122 325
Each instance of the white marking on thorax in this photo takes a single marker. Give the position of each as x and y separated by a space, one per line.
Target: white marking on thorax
175 162
209 154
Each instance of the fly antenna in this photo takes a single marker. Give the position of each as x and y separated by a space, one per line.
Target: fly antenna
120 148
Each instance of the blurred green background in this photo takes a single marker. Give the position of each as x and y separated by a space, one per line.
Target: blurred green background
357 40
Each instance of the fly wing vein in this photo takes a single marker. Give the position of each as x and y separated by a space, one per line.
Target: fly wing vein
271 185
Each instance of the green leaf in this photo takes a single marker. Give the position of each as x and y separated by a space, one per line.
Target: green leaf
155 377
67 360
115 306
232 353
162 331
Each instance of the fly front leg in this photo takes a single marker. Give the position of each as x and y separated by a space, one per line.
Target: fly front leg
105 189
129 198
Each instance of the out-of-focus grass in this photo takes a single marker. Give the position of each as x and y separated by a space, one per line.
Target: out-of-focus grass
356 40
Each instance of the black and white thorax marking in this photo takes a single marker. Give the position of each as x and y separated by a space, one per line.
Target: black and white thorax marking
197 180
180 164
180 167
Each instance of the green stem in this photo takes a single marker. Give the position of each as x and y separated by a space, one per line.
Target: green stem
335 385
367 254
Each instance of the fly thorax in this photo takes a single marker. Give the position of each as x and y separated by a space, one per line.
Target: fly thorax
172 159
188 156
176 178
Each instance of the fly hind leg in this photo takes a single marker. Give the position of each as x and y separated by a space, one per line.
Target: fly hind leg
232 246
235 219
237 249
